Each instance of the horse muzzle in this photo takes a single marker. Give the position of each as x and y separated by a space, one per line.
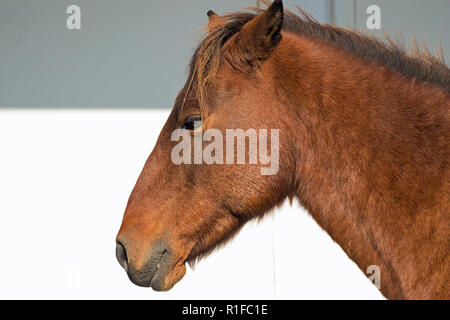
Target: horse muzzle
159 271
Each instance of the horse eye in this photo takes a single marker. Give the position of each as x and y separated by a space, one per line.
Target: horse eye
192 123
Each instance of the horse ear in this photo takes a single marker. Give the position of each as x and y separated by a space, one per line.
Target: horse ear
214 20
257 39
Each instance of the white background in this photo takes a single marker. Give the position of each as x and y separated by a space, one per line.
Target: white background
65 177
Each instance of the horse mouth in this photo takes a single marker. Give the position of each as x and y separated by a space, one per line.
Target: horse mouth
168 272
153 273
154 282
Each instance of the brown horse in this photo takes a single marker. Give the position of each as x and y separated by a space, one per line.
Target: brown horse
364 145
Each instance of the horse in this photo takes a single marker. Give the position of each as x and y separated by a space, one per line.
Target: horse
364 146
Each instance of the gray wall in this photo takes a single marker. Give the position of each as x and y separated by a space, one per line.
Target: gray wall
427 21
127 54
134 54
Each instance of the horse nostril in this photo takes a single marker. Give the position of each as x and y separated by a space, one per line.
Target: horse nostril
121 255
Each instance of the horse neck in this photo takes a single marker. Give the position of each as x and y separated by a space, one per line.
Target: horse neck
349 119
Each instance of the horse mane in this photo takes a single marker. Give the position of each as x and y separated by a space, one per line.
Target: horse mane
420 64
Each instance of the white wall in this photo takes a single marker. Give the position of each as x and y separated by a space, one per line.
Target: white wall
65 177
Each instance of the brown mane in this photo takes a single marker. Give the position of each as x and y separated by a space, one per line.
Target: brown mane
420 64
